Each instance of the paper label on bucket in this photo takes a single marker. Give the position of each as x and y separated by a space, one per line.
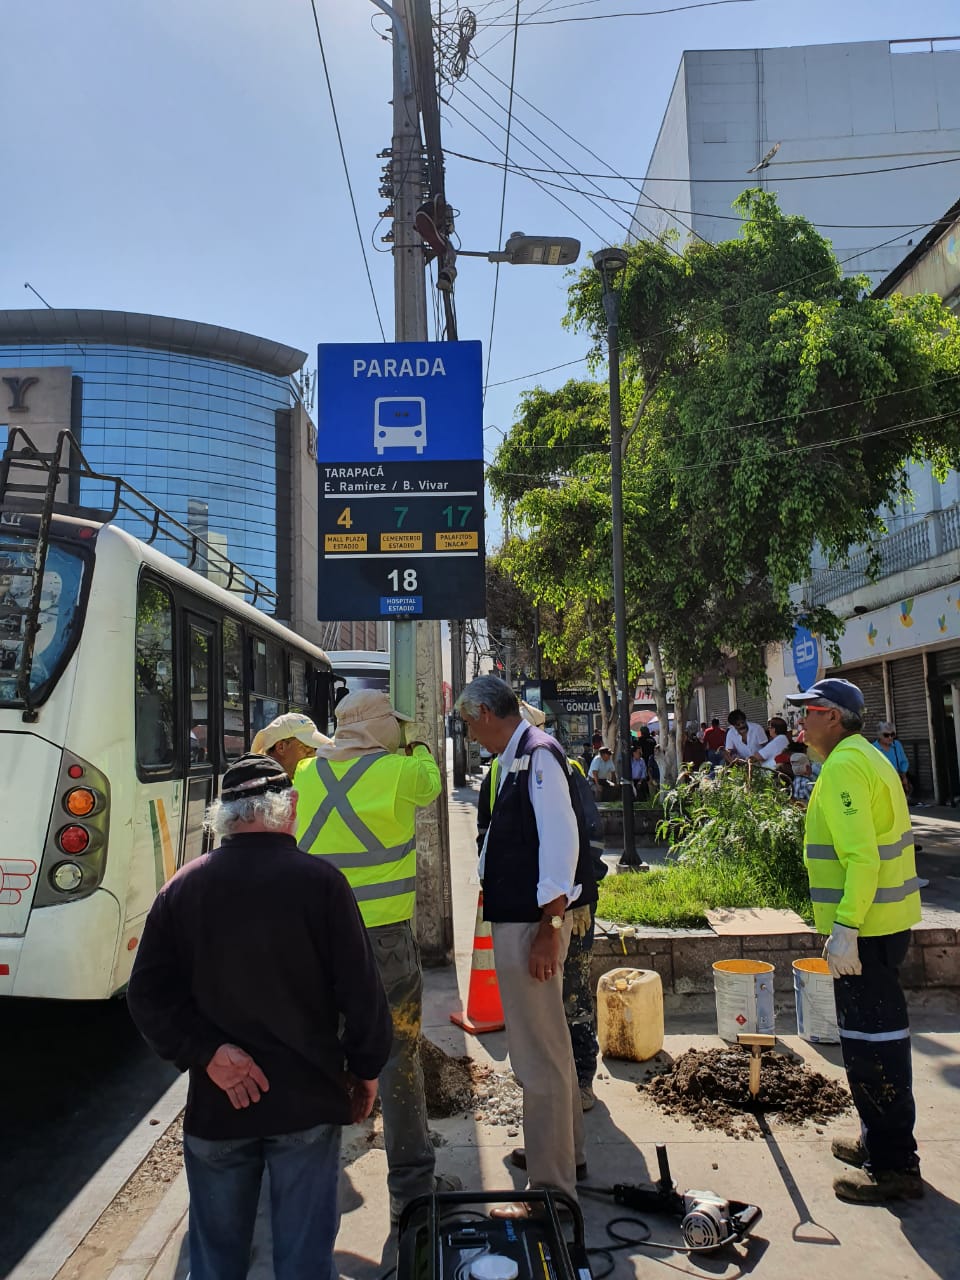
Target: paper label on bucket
816 1007
744 1003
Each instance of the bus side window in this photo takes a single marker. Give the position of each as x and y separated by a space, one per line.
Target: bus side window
233 735
297 685
155 702
268 695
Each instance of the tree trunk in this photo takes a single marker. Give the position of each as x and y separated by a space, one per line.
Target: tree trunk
666 740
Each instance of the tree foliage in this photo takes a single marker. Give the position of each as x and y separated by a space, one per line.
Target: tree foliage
770 405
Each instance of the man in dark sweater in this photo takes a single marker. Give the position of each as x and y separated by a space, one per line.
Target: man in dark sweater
254 974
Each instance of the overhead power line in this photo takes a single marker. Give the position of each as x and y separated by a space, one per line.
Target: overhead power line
503 192
808 177
633 13
346 169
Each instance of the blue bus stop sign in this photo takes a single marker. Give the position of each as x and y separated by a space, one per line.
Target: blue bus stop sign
400 456
806 657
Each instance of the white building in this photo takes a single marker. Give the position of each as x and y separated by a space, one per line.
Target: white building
827 109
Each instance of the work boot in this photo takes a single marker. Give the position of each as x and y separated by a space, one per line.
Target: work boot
588 1099
860 1186
850 1151
441 1182
518 1158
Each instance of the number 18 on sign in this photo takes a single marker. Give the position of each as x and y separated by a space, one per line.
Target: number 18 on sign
400 453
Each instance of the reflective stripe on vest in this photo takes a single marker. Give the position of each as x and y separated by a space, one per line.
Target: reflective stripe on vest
382 901
827 853
892 893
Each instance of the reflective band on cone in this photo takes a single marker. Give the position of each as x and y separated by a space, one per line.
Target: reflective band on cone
484 1010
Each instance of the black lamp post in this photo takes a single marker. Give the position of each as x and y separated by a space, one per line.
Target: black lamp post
609 262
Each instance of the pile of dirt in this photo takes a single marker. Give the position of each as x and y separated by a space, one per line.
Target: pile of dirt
459 1086
711 1087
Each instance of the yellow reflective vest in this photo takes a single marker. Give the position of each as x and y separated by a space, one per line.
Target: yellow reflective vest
361 814
858 845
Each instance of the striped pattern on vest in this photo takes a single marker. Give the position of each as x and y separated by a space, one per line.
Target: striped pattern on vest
382 872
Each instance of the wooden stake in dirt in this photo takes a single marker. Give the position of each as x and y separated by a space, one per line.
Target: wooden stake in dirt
755 1043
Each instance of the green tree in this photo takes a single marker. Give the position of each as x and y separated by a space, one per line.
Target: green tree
771 405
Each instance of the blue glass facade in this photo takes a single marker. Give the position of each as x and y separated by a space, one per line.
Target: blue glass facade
197 435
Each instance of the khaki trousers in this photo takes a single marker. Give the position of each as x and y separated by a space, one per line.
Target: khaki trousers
542 1059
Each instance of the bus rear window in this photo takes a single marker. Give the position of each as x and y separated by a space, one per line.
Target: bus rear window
60 612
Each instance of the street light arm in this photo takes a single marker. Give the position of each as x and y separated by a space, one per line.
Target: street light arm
403 44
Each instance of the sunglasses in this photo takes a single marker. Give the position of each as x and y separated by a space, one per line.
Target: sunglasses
806 710
886 735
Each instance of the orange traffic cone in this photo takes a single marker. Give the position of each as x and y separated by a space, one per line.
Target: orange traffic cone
484 1010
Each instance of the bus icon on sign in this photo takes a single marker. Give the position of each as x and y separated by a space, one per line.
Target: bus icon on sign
399 422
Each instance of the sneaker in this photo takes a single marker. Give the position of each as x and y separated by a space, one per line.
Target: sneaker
850 1151
518 1158
859 1186
588 1099
441 1182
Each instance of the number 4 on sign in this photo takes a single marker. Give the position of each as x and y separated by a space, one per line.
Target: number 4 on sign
345 519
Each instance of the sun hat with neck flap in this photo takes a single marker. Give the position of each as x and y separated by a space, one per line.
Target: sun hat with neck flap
366 722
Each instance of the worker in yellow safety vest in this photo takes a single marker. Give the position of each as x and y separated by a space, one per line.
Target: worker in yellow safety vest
859 854
358 804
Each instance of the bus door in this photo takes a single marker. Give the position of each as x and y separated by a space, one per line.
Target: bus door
201 724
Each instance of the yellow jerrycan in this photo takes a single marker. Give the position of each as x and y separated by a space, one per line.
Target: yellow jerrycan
630 1014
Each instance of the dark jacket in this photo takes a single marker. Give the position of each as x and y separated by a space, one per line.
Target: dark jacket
512 861
259 945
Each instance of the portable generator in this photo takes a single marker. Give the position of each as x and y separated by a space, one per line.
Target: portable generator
448 1236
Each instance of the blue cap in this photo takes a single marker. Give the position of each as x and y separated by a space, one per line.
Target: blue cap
842 692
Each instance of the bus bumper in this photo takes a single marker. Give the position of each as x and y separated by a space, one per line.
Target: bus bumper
68 952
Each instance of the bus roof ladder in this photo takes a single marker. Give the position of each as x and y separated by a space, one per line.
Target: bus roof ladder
32 480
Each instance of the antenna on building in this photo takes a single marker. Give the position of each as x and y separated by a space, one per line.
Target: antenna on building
28 285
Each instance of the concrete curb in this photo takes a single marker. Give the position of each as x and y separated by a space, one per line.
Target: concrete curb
70 1229
143 1254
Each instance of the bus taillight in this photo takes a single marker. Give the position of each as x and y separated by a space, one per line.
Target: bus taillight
73 839
80 802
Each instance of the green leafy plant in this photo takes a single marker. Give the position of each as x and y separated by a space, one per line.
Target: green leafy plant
735 841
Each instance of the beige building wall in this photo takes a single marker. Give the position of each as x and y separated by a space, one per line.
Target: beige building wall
39 402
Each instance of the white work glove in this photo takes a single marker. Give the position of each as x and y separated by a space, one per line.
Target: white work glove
841 951
582 918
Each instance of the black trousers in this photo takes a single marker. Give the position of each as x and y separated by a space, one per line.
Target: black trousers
875 1039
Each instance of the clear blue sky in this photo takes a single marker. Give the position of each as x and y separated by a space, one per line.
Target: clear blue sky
178 157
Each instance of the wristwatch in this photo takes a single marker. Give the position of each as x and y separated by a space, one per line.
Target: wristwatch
555 922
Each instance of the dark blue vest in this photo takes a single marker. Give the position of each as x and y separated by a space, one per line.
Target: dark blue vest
512 863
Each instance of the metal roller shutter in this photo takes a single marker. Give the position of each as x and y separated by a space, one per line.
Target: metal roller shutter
869 680
717 699
945 663
754 707
909 697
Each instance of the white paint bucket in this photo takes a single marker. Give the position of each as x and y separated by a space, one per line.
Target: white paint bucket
744 992
816 1007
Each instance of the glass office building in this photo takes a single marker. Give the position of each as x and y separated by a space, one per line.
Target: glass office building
194 416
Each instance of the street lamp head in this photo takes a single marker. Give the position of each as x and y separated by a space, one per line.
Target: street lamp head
543 251
609 261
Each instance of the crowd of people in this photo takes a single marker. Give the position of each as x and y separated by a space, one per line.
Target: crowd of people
282 972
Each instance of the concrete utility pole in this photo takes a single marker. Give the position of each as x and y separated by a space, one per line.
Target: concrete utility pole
415 661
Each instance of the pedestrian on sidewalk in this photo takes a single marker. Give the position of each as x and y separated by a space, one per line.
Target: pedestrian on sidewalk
358 809
579 1002
535 863
863 885
289 739
255 974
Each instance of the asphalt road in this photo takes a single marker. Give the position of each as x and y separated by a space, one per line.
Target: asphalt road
74 1080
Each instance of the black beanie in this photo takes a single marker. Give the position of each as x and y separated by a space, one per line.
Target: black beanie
252 776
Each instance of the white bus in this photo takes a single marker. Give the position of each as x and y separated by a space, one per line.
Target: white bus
143 681
361 669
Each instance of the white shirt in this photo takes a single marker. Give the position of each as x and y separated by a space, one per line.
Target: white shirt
602 769
756 738
556 822
775 747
